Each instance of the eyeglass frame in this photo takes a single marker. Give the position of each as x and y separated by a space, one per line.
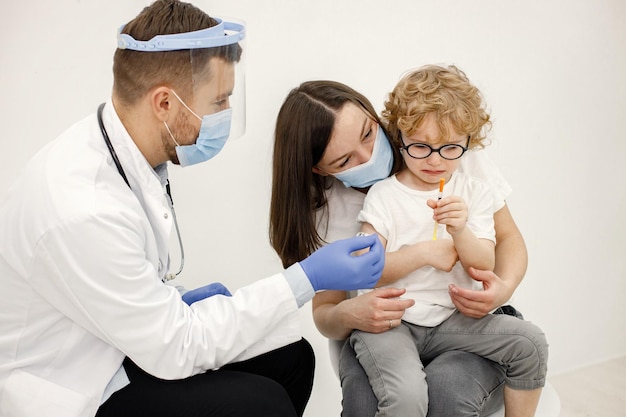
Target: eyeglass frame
438 150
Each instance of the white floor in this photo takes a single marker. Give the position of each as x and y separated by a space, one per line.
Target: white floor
594 391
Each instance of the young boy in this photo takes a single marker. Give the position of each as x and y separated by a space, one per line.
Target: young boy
434 115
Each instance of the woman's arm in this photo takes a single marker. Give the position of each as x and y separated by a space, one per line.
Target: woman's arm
335 315
511 253
499 285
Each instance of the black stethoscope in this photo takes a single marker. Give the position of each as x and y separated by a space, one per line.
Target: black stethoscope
116 160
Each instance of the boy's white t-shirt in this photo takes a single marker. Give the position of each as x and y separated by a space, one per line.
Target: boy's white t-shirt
400 215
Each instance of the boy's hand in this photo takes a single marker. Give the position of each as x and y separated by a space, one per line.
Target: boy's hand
451 211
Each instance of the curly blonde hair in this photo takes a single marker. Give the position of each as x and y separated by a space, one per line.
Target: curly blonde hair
444 91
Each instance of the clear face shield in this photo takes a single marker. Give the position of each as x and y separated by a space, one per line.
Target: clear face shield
217 68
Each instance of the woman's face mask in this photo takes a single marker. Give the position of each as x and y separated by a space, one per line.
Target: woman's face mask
214 131
377 168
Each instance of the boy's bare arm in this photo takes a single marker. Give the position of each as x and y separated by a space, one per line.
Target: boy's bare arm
472 251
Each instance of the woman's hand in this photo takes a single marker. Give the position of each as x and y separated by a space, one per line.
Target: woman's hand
477 304
336 316
377 310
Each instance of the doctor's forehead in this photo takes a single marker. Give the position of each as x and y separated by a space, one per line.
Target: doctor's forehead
218 76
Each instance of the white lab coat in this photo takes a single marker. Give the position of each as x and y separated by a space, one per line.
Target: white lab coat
81 262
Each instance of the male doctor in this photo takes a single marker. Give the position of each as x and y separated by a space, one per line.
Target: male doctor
89 324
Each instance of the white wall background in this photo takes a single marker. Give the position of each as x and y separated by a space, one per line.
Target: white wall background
553 72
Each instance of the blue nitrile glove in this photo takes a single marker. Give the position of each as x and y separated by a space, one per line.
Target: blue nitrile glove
331 267
207 291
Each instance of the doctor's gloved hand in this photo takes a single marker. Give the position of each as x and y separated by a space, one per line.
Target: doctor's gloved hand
207 291
332 267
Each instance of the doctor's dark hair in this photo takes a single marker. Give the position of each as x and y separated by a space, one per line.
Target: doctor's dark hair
303 129
135 73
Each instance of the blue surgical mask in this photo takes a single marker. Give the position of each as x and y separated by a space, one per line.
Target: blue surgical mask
214 131
377 168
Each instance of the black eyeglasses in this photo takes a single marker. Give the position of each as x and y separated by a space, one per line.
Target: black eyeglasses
450 151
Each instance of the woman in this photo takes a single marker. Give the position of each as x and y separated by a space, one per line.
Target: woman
330 146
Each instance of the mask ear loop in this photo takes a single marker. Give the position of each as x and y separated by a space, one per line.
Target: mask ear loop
186 106
170 132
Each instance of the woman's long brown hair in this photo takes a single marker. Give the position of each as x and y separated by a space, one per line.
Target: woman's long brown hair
303 129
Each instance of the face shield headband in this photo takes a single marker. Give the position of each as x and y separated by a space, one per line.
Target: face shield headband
224 33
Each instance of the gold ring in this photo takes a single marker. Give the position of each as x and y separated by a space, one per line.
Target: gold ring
390 324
